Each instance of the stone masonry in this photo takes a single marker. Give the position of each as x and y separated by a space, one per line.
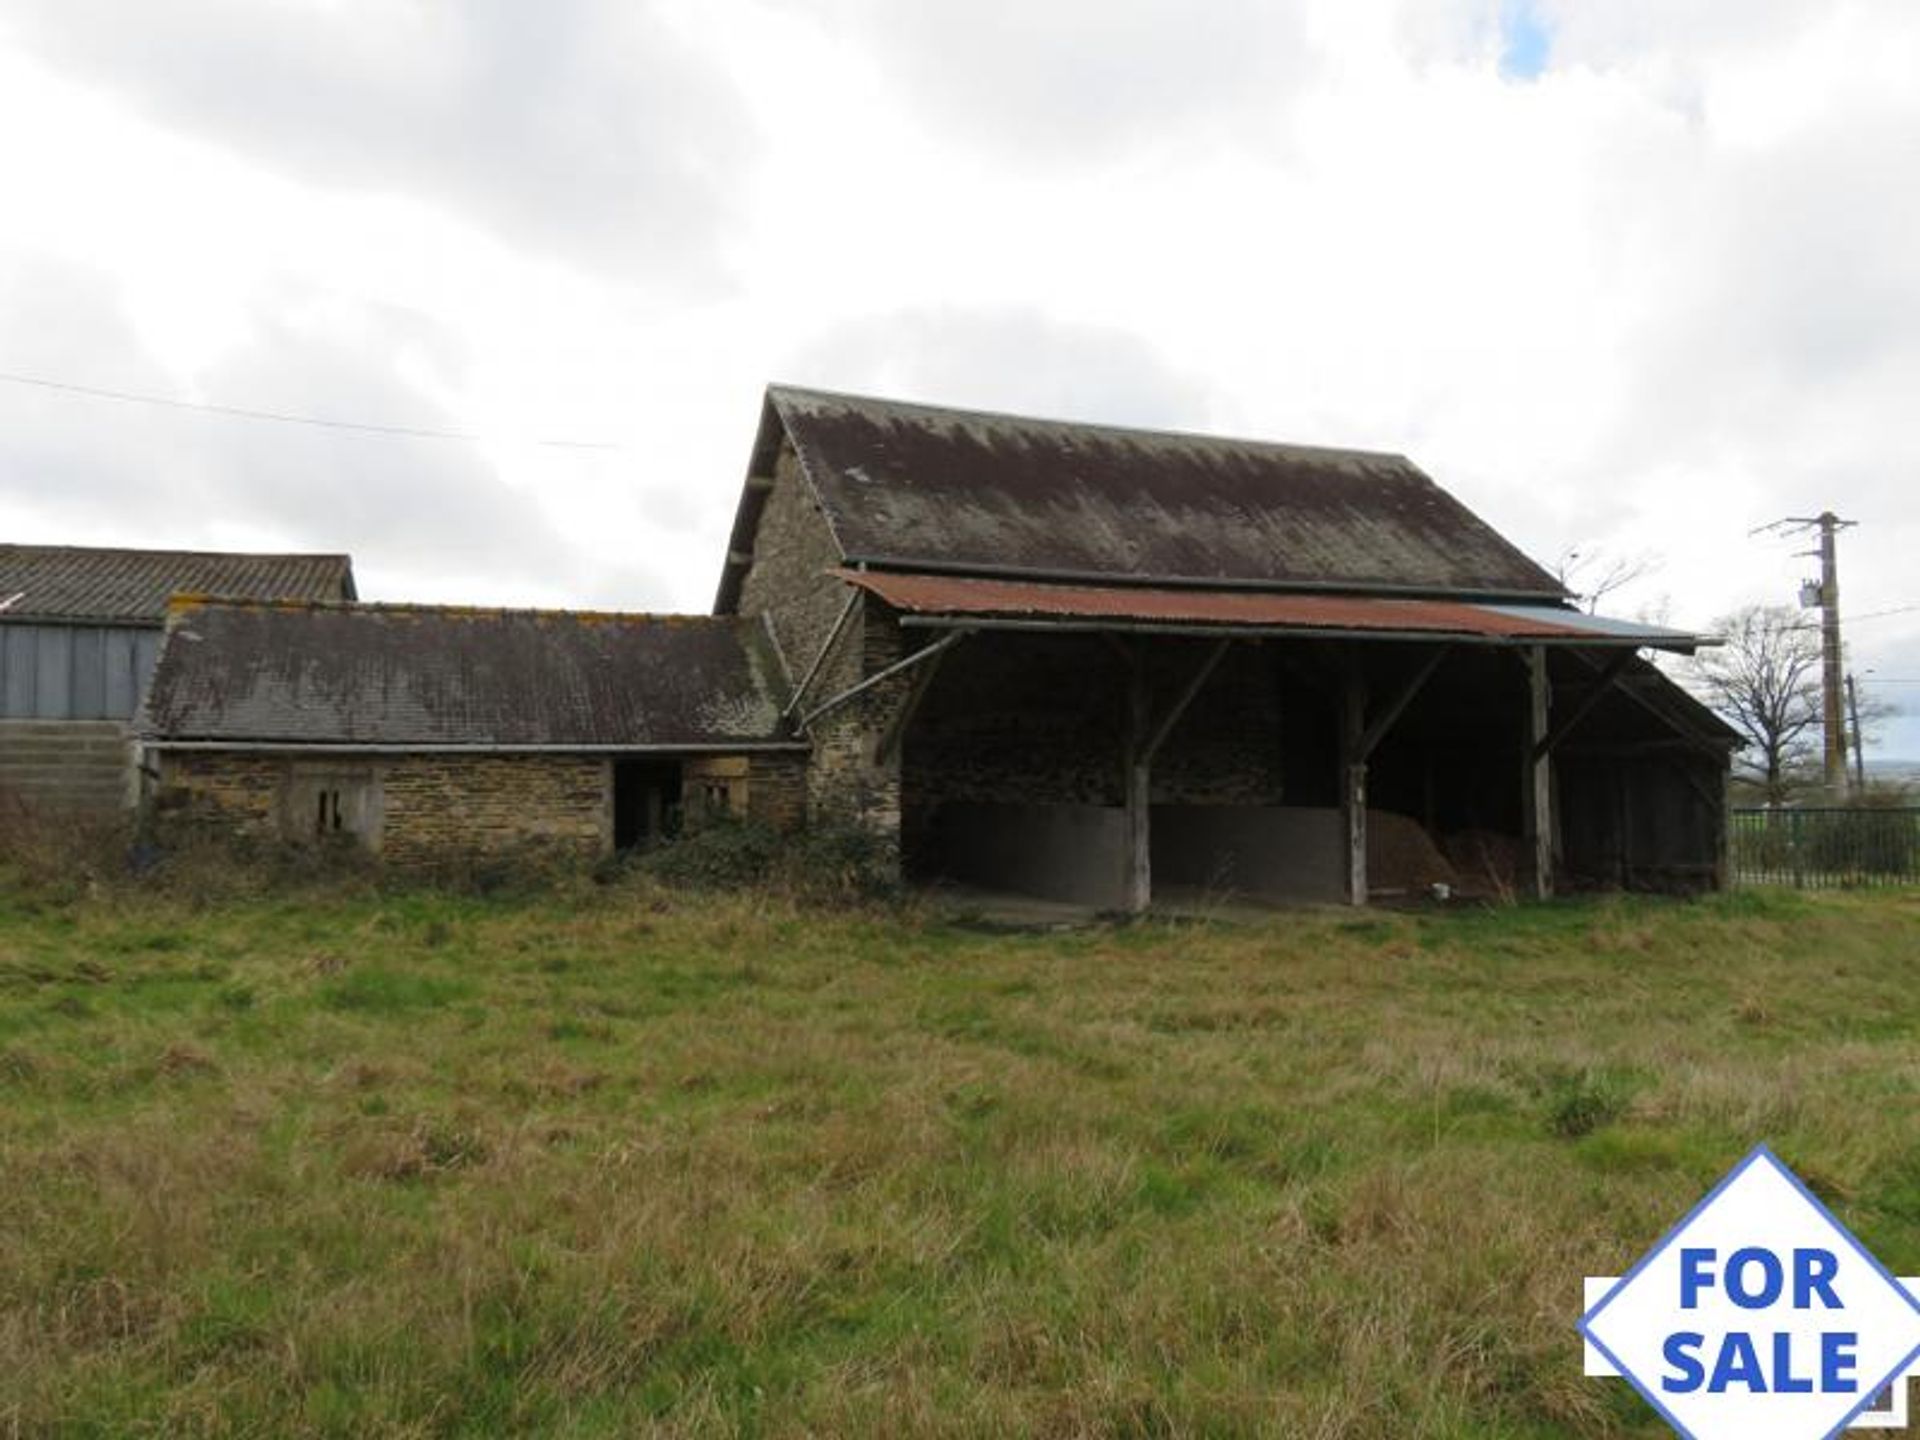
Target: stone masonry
413 808
793 550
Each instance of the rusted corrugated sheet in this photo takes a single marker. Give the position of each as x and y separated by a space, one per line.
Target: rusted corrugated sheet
390 675
84 584
915 487
967 596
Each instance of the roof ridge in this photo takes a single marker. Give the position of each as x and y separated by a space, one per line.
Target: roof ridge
779 388
188 600
20 547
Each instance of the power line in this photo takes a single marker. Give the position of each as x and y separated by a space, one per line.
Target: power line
241 412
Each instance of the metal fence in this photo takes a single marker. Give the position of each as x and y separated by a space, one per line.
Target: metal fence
1825 848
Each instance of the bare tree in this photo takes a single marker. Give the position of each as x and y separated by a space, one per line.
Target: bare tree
1765 682
1591 573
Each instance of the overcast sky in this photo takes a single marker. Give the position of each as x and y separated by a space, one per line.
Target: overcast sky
1628 276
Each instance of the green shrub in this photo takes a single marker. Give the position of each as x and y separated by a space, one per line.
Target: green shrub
831 861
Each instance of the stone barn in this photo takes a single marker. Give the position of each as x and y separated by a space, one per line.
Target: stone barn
428 733
1094 664
79 631
1080 662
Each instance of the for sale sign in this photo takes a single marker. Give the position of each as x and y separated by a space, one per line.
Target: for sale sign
1759 1315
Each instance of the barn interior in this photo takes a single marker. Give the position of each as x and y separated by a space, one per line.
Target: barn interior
1302 769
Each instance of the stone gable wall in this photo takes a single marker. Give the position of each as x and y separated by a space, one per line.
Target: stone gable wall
792 547
792 550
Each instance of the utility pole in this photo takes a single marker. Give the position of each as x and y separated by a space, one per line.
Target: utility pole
1832 684
1859 740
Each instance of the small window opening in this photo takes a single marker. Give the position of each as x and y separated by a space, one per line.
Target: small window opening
327 821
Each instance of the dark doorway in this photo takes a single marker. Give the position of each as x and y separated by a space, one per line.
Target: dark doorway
646 802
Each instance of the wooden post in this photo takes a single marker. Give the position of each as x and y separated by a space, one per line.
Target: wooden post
1139 788
1353 779
1536 790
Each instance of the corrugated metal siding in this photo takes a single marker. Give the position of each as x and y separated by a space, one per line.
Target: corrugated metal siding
970 596
74 672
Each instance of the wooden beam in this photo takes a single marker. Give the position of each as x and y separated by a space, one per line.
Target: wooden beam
1185 698
896 730
1139 793
1693 741
1536 787
919 657
1353 780
1615 668
839 624
1376 730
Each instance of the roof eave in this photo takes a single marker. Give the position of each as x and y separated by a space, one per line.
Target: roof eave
1255 630
754 490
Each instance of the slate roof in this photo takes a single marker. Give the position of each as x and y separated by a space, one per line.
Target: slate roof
914 487
438 676
131 587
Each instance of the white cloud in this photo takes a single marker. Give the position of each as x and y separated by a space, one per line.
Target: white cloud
1659 293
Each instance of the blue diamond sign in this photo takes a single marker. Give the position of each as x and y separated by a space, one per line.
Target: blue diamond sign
1758 1316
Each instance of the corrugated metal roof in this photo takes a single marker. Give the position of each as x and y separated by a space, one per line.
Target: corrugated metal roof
1004 600
132 587
397 675
915 487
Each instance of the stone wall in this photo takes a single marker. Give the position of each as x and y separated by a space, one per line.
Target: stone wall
421 807
777 788
848 780
440 805
792 548
1027 719
241 793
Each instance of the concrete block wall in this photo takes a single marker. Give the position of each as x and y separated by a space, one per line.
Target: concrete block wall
75 766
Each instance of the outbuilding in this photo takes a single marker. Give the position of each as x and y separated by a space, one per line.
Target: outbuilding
1085 663
80 628
428 733
1096 664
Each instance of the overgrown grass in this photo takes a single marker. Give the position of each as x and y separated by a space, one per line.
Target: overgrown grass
626 1161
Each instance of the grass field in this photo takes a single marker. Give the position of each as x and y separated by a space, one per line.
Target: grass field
627 1160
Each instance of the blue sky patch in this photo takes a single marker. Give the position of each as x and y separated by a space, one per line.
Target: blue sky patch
1526 40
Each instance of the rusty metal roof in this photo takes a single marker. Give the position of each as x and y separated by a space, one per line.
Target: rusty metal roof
988 601
914 487
395 676
82 584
